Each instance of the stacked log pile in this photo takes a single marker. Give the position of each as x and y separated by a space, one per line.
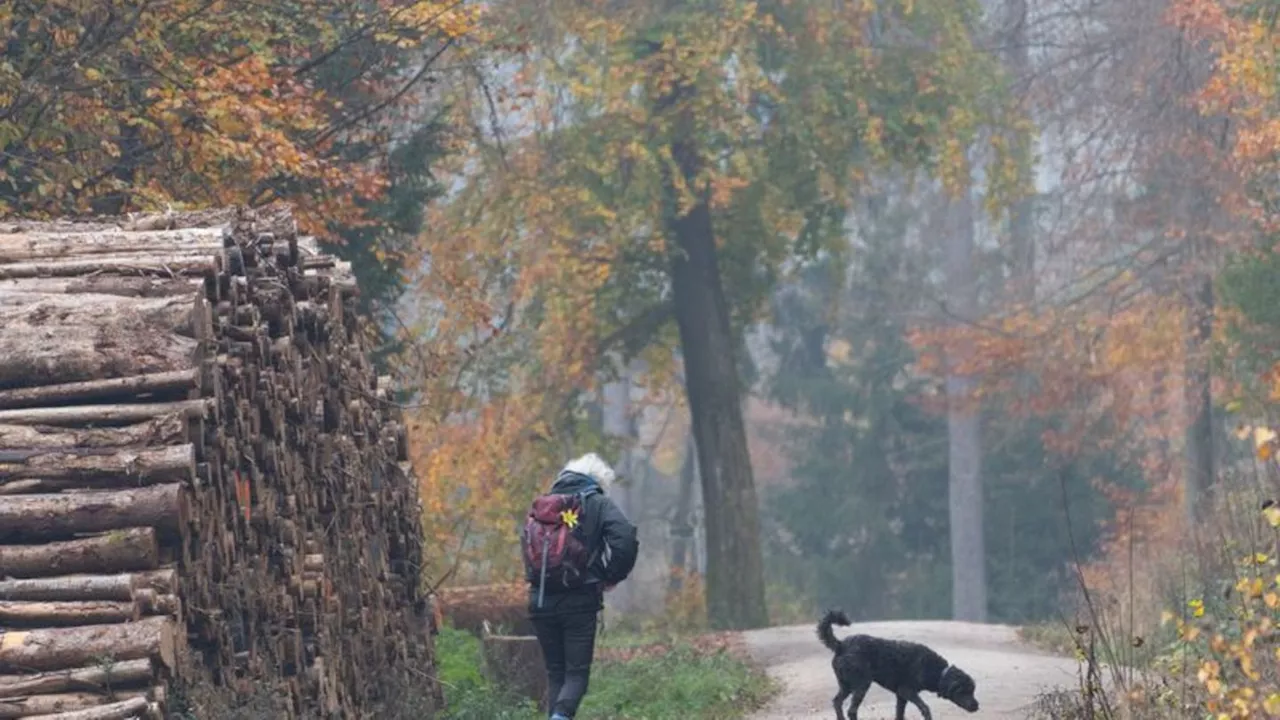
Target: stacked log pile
200 473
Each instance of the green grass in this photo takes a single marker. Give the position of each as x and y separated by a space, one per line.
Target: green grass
682 681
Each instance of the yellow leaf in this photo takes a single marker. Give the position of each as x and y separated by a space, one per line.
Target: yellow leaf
1255 588
1271 599
1272 704
1263 436
1272 514
1260 558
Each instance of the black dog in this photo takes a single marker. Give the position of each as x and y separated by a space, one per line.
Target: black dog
902 668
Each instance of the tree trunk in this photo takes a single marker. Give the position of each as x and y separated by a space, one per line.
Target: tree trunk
113 552
60 648
99 337
1022 216
95 678
681 521
964 425
34 517
617 422
1199 442
735 567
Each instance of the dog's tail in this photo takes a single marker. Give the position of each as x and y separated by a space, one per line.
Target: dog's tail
826 634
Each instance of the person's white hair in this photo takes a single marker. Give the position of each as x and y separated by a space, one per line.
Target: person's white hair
593 466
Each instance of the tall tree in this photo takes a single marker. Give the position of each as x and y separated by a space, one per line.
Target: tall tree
704 144
964 416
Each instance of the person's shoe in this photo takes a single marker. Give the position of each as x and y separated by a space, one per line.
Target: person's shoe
559 716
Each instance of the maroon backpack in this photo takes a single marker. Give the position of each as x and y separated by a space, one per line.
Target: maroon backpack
554 547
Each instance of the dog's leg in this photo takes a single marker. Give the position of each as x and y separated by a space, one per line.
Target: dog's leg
838 701
859 693
919 703
900 713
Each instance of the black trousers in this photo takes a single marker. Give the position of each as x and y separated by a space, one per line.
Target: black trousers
568 645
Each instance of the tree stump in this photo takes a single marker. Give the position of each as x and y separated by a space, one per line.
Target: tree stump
514 663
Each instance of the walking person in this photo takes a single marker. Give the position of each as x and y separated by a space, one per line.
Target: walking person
577 545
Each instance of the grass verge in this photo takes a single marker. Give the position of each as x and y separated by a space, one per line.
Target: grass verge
636 677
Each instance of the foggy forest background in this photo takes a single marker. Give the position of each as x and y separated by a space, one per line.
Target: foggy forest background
921 308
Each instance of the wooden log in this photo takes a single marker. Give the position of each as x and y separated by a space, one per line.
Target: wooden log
61 648
177 264
105 414
64 614
98 390
117 551
33 517
25 247
37 705
175 219
124 286
154 603
72 587
95 678
136 466
56 339
123 710
164 430
164 580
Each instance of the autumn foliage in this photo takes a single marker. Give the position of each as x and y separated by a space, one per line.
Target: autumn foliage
127 104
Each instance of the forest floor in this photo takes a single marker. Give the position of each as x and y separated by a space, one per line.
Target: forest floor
1010 674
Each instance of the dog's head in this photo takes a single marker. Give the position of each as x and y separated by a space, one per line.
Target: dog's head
956 685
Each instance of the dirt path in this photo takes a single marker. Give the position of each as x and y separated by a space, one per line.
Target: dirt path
1009 674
